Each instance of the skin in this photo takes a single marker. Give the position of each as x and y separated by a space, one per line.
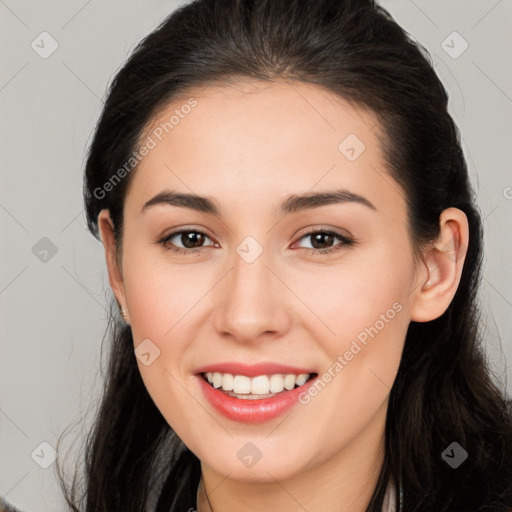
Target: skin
248 146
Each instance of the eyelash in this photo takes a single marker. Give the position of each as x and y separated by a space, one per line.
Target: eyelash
345 241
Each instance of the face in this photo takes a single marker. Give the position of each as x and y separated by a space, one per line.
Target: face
262 279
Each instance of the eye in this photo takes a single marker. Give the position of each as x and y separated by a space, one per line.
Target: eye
191 240
321 241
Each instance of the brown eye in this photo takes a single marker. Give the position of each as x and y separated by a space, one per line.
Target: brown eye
322 241
191 240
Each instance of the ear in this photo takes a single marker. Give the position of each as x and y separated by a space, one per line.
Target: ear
443 262
106 229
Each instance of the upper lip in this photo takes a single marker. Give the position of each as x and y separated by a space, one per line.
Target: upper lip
252 370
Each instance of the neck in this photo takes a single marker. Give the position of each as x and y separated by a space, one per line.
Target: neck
345 482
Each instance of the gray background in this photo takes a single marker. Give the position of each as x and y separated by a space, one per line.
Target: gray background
53 305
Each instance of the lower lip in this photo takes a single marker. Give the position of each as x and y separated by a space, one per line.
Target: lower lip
252 411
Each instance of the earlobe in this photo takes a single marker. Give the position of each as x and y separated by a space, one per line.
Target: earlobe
444 261
106 229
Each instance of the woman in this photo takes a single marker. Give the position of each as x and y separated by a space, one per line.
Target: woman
294 246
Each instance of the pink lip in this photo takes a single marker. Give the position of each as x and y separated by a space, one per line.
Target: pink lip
252 370
253 411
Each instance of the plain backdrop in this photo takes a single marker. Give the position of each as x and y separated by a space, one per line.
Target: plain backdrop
53 283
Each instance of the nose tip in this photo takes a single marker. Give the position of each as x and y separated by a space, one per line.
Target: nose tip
250 301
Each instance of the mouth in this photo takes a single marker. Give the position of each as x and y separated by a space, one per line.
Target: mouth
259 387
253 394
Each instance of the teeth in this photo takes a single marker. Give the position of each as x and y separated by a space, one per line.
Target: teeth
260 385
289 382
241 384
227 382
301 379
217 380
276 383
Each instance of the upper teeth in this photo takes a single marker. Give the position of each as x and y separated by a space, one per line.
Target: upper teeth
260 385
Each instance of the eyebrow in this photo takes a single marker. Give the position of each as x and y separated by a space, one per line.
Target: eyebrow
292 204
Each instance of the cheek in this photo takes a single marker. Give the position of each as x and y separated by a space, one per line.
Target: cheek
363 306
361 292
161 296
161 299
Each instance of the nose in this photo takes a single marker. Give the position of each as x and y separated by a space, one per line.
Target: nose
251 302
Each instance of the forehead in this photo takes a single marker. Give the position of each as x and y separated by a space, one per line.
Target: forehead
239 139
226 107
